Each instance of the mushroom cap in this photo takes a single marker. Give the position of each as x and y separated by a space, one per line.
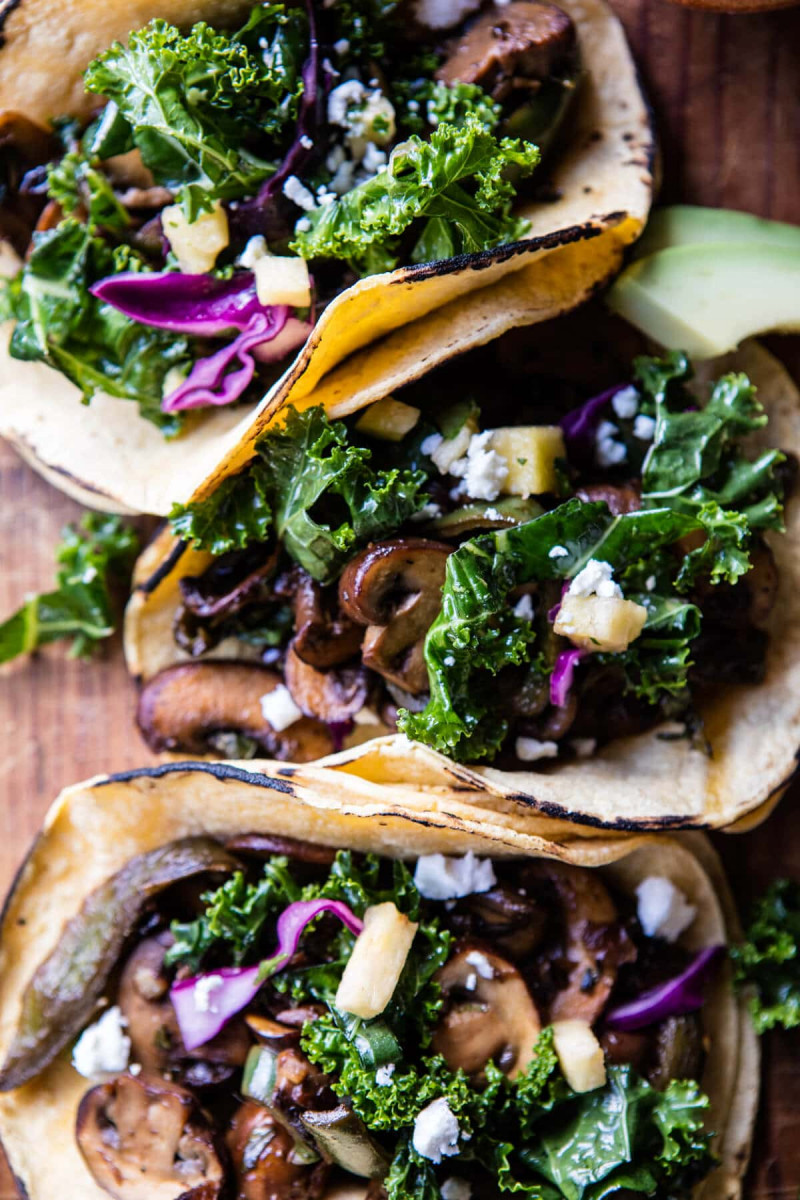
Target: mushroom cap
143 1138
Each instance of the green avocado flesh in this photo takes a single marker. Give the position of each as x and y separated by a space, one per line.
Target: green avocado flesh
688 224
707 297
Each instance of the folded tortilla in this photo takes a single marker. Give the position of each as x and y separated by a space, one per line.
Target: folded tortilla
108 457
94 828
644 782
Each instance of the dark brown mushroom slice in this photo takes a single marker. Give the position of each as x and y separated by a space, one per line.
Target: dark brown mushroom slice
595 942
143 1138
514 923
762 583
619 497
331 696
324 636
395 589
232 583
156 1044
265 1159
511 47
489 1016
24 149
263 845
184 706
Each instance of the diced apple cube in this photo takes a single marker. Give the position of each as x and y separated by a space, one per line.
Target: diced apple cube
196 245
379 955
600 622
283 281
531 452
388 419
580 1055
453 448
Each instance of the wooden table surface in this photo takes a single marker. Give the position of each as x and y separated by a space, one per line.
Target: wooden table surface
726 94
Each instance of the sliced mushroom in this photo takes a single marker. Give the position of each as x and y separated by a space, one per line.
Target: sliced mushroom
265 1159
595 943
263 845
232 583
512 47
145 1139
184 706
395 589
762 583
331 696
620 498
24 148
322 638
490 1014
143 997
515 923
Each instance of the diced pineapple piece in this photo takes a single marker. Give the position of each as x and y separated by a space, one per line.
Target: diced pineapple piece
379 955
196 245
388 419
450 449
600 622
531 452
283 281
580 1055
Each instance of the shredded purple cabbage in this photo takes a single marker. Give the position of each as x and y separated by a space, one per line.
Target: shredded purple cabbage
193 304
684 993
205 1003
580 425
564 675
339 731
211 382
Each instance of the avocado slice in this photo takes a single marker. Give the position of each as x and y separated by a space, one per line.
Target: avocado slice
706 298
688 224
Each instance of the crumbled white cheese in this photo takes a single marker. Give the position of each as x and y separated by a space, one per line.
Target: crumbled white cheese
135 1069
663 909
455 1188
584 747
255 249
343 99
279 709
471 982
298 193
203 992
89 575
528 749
444 14
650 583
383 1075
444 878
306 142
374 159
524 608
431 443
558 552
644 427
428 512
481 964
366 114
482 470
342 46
103 1048
596 579
608 451
449 660
625 403
303 225
436 1131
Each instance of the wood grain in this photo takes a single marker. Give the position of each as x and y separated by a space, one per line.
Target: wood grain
726 95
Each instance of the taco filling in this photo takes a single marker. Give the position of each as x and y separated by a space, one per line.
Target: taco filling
510 574
231 184
283 1021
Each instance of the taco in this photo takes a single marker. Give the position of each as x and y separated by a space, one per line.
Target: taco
569 575
464 1017
224 211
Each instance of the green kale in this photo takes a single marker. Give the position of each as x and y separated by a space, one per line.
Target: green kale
658 662
59 322
196 104
92 558
477 633
306 462
439 103
455 187
767 963
625 1137
76 182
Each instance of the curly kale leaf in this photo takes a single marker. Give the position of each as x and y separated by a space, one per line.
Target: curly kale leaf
768 961
75 181
454 189
307 462
59 322
92 558
477 633
435 103
196 104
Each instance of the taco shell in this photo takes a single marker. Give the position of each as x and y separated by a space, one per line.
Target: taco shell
107 456
94 828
